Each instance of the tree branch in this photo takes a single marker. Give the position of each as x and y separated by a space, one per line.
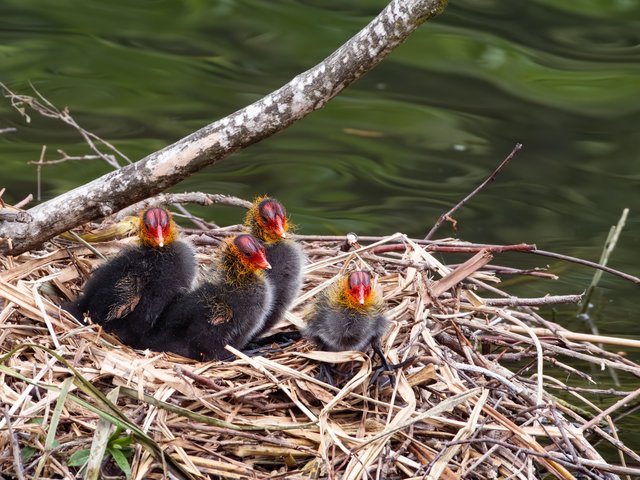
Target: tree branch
305 93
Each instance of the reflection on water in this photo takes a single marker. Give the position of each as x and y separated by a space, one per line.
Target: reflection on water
393 151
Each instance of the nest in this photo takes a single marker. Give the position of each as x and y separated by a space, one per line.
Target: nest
472 396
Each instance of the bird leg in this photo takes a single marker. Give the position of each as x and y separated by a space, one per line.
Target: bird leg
377 348
325 375
328 371
264 344
386 366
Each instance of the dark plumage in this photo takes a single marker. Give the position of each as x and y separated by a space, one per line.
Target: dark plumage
267 220
348 315
127 294
227 309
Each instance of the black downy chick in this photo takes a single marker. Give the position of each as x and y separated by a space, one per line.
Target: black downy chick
127 294
226 310
267 221
348 315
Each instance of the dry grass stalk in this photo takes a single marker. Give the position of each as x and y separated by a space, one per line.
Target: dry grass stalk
455 409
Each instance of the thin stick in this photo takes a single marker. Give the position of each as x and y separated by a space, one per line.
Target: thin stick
489 179
520 247
15 447
609 246
623 401
532 302
27 391
583 462
580 337
190 197
587 263
39 173
536 342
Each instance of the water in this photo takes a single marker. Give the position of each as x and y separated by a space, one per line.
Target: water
393 151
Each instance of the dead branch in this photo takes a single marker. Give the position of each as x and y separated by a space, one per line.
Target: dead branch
532 302
200 198
520 247
586 263
45 108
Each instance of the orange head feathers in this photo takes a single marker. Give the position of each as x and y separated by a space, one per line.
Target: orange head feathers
356 292
244 254
157 228
267 219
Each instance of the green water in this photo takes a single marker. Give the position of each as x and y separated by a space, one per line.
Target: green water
561 77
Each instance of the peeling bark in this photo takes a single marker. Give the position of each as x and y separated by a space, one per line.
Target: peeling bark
308 91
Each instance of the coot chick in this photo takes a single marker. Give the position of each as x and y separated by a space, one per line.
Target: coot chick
225 310
348 315
267 221
127 294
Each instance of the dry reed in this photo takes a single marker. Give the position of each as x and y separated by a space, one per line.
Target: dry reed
474 397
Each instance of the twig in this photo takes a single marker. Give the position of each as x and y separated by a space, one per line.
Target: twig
532 302
66 158
587 263
596 420
39 173
581 465
565 437
197 221
517 389
87 244
45 108
572 353
200 198
251 436
15 447
580 337
24 201
539 272
202 380
536 342
592 391
610 245
489 179
520 247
